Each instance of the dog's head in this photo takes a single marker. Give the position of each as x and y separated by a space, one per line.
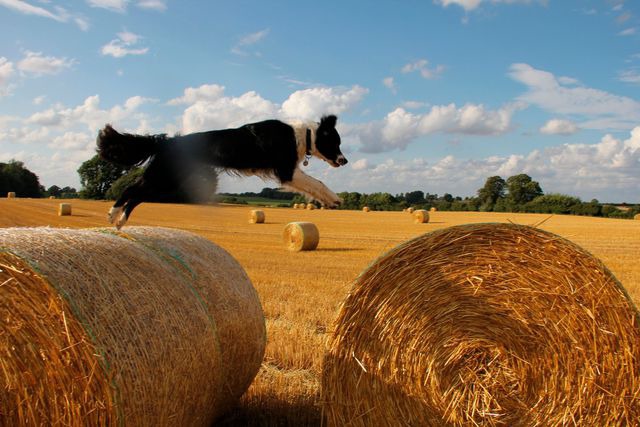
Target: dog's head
328 142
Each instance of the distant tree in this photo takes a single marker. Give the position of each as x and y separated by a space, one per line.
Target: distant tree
494 188
54 191
97 176
522 189
414 197
14 176
554 203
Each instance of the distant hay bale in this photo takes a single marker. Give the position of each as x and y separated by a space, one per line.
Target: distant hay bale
139 328
301 236
365 209
11 195
484 324
296 206
311 206
420 216
433 209
64 209
410 210
636 216
256 216
52 197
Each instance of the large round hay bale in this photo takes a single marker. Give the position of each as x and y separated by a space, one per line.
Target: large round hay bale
420 216
151 327
256 216
484 324
366 209
64 209
11 195
301 236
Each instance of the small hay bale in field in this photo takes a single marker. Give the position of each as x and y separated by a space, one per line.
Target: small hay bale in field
256 216
52 197
410 210
311 206
366 209
139 328
484 324
11 195
636 216
64 209
301 236
433 209
420 216
296 206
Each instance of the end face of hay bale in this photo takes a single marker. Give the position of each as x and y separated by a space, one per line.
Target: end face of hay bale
410 210
256 216
484 324
420 216
11 195
64 209
636 216
365 209
310 206
301 236
433 209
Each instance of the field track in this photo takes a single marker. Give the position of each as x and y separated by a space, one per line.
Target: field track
301 292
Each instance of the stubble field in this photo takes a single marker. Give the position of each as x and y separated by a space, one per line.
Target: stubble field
301 292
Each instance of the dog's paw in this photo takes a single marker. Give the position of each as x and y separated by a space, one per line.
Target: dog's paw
121 221
333 203
113 214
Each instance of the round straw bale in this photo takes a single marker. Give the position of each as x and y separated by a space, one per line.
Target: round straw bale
636 216
410 210
256 216
143 328
11 195
420 216
64 209
484 324
311 206
365 209
433 209
52 197
301 236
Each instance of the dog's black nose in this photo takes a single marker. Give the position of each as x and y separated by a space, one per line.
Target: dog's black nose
342 160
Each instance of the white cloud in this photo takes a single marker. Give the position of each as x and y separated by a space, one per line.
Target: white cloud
36 64
249 40
311 104
203 93
413 105
390 84
158 5
73 141
112 5
38 100
123 45
6 72
60 14
360 164
628 32
469 5
629 76
559 127
421 66
598 109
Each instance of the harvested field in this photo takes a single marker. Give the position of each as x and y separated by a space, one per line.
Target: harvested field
300 292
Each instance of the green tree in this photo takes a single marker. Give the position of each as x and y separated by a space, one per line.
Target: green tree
14 176
494 188
96 177
522 189
414 197
54 191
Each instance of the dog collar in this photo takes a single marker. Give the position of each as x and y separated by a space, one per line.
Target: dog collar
307 154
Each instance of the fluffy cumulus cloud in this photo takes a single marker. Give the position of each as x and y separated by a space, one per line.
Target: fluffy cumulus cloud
36 64
6 73
311 104
422 67
564 96
400 128
124 45
204 93
559 127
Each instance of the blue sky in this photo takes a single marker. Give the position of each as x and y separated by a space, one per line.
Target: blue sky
432 95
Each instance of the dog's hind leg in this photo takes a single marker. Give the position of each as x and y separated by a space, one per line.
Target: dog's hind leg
131 197
303 183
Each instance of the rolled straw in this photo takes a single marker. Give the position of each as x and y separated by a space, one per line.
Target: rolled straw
301 236
484 324
256 216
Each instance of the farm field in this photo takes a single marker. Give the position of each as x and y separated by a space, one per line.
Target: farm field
301 292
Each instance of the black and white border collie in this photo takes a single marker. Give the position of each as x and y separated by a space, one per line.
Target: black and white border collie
270 149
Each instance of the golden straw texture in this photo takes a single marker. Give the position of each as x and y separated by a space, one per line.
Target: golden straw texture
365 209
433 209
145 304
311 206
636 216
11 195
64 209
256 216
484 324
420 216
410 210
301 236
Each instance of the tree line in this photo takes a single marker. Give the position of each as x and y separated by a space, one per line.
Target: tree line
519 193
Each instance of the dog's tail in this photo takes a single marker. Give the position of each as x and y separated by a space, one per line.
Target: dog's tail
126 149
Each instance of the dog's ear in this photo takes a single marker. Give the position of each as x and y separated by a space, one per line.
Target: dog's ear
329 121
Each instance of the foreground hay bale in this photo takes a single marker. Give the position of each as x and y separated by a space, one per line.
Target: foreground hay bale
256 216
11 195
301 236
484 324
64 209
420 216
143 328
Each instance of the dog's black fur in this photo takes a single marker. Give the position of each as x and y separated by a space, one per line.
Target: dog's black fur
270 149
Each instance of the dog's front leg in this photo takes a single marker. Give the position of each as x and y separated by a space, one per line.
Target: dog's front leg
301 182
